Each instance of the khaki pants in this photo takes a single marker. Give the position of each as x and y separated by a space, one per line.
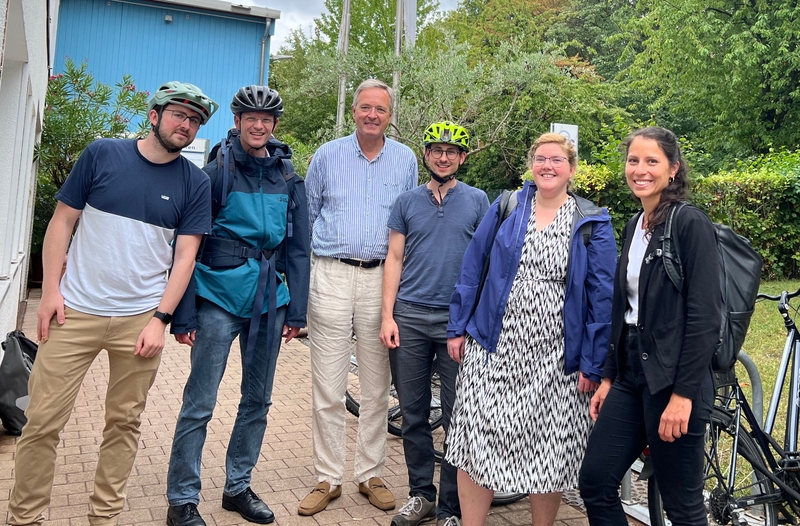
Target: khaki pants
57 374
345 301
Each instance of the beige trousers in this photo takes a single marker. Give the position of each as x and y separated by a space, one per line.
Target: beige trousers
57 375
345 301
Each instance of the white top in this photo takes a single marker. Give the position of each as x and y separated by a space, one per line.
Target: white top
635 257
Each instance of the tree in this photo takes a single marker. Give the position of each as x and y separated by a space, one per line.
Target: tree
734 66
77 111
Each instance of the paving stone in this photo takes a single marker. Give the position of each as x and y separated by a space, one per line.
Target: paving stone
284 475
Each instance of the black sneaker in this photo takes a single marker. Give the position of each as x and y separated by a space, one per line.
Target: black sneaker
186 515
249 506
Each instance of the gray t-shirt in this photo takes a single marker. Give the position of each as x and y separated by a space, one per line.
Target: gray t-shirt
436 239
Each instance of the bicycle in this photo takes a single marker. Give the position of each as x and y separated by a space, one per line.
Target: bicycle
395 417
749 477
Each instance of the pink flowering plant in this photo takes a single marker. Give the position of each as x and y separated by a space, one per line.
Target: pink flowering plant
77 111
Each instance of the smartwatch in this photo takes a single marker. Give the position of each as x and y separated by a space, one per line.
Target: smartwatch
163 316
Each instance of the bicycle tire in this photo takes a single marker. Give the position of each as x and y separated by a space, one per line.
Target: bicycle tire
749 482
502 498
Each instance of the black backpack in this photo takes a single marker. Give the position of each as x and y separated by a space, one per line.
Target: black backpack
739 280
15 369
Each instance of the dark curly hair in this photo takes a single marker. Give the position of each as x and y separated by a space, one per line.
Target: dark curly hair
678 189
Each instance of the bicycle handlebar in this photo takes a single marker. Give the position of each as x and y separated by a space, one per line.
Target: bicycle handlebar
783 295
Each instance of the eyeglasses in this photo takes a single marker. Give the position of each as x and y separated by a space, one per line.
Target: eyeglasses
180 117
266 121
437 153
367 109
555 161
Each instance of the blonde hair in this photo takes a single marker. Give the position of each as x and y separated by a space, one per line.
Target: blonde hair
554 138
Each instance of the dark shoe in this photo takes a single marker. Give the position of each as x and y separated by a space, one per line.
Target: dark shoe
249 506
186 515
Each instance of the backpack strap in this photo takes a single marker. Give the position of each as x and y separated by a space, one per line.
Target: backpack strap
508 202
225 170
669 252
586 231
288 172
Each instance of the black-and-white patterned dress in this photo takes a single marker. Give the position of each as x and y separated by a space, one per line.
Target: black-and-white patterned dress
519 424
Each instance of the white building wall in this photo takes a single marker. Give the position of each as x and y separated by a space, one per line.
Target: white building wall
26 30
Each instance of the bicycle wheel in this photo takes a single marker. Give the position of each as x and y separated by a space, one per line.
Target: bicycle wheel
752 495
502 498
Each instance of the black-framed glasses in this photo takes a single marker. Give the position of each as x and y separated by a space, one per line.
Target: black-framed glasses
180 117
437 153
555 161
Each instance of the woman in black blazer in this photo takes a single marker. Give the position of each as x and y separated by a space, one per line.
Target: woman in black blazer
657 386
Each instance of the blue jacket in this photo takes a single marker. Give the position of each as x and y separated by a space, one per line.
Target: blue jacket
590 280
256 214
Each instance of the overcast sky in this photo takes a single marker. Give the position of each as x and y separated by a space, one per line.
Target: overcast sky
301 13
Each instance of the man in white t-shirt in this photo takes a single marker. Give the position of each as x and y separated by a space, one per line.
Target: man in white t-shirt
137 201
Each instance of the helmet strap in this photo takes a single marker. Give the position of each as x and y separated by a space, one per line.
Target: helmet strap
441 180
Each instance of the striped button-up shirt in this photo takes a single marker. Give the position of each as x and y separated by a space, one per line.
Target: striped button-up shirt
350 197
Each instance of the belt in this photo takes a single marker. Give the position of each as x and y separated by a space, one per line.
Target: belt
372 263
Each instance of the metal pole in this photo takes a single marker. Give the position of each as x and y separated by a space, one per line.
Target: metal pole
398 42
344 43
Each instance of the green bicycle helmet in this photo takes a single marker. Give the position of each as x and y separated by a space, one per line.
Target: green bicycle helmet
186 95
446 132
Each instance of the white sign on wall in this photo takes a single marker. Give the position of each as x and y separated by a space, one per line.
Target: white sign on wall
570 131
197 152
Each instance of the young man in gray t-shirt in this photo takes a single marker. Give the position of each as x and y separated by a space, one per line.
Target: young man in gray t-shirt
430 228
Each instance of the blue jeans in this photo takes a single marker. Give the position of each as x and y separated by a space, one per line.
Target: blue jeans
423 335
216 329
628 421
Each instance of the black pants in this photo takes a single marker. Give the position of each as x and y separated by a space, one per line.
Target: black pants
628 422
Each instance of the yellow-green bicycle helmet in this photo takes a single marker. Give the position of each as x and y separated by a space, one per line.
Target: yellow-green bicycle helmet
446 132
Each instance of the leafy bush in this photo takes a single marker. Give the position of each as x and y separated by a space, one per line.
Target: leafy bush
760 201
79 110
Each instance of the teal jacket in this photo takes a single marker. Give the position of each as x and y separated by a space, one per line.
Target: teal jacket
256 213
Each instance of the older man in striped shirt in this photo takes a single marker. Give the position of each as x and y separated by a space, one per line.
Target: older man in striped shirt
351 185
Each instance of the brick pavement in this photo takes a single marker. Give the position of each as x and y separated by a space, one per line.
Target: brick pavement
282 477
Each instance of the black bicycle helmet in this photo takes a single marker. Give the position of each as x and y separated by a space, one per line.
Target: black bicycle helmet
257 98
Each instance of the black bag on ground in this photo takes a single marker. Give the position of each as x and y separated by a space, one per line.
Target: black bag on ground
740 279
15 369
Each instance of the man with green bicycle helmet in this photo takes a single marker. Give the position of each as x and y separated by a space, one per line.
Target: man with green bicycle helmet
430 228
182 101
114 295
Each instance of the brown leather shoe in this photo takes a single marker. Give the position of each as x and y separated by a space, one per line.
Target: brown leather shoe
379 496
318 499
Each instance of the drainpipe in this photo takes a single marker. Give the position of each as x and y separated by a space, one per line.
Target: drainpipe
264 51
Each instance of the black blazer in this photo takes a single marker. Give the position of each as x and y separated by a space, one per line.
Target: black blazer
679 329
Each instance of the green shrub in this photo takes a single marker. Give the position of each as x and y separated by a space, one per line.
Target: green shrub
760 203
77 111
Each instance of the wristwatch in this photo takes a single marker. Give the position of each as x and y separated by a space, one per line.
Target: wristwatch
163 316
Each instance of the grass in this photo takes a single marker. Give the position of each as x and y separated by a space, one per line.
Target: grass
764 344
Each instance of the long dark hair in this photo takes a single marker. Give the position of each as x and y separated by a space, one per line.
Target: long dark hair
678 188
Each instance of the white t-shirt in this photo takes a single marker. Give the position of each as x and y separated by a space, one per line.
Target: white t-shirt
635 257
